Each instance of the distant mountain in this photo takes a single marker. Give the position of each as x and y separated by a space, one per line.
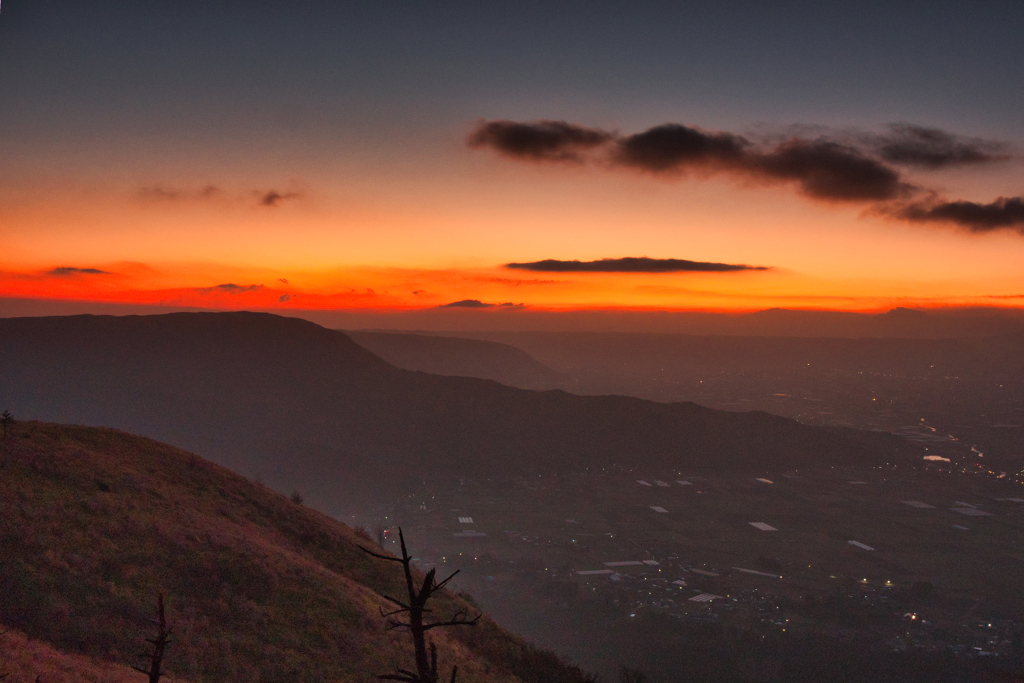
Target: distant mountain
573 354
898 323
305 407
970 389
97 523
459 357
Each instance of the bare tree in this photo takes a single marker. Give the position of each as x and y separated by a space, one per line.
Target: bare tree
159 642
414 610
6 419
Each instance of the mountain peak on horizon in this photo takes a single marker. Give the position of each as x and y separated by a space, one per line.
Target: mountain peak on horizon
906 313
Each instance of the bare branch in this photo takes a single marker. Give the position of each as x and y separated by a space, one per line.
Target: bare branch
453 622
397 602
389 558
444 583
428 587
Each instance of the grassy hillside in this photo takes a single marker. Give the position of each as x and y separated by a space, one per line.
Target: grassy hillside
23 659
95 523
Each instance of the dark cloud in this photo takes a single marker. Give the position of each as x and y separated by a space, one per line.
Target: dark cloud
829 171
476 303
285 297
157 193
65 271
274 198
827 166
934 148
230 289
161 193
538 140
673 147
467 303
820 168
630 265
1004 213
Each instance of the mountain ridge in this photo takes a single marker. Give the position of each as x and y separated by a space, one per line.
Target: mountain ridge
459 357
306 407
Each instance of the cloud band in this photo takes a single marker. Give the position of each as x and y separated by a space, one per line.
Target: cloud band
641 264
1003 213
862 168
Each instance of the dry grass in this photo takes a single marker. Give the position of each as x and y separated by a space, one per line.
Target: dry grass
258 587
25 659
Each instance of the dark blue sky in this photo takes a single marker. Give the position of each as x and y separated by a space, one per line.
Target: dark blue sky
89 72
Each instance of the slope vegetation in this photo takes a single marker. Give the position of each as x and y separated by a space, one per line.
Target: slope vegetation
95 523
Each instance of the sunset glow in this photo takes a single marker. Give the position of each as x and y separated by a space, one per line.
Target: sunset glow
300 203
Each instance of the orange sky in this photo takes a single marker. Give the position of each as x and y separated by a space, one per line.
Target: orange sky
150 157
442 235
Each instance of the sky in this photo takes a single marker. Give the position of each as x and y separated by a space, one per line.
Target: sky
505 157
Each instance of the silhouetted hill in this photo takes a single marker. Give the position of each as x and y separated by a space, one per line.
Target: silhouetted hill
305 407
459 357
96 523
970 389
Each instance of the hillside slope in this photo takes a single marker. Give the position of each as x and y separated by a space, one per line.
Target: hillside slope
459 357
305 407
95 523
26 660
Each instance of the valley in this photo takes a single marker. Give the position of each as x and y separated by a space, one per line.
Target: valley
920 560
872 534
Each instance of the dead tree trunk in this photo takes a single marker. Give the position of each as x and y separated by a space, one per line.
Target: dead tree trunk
159 642
415 607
